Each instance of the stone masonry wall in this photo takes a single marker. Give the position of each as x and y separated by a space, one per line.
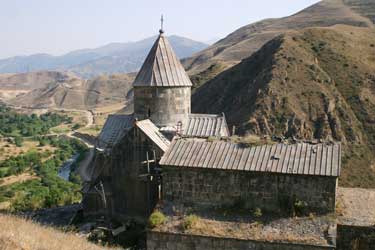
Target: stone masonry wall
169 241
166 106
132 195
355 237
269 192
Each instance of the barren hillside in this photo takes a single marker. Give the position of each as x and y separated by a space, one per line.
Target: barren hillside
60 90
314 83
243 42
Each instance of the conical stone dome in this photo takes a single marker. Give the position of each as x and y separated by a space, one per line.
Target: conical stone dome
162 88
162 68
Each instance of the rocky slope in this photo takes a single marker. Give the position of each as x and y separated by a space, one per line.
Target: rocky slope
109 59
243 42
61 90
313 83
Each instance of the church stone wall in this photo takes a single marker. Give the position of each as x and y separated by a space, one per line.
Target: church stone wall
170 241
165 106
133 195
205 188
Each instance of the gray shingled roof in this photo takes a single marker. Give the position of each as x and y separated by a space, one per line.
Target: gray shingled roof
152 132
301 158
162 68
205 125
114 128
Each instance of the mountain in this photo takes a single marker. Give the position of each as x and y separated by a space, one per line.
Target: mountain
311 83
30 81
64 90
12 85
243 42
109 59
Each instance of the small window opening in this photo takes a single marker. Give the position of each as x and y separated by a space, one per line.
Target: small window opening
149 113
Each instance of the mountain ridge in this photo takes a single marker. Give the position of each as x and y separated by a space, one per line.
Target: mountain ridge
112 58
246 40
315 83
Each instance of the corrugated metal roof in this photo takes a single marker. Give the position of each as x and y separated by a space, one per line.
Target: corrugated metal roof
205 125
300 158
152 132
162 67
114 128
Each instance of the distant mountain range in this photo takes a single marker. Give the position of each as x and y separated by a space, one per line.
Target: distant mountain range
109 59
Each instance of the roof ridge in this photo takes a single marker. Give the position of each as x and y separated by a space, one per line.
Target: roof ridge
268 159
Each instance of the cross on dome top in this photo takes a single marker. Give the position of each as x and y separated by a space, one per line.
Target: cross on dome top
161 31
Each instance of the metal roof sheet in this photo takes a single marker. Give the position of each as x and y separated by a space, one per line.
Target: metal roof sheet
162 68
205 125
300 158
152 132
114 128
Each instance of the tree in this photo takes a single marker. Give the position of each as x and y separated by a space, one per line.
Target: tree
18 141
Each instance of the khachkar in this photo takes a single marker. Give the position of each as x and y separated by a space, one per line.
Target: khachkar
162 88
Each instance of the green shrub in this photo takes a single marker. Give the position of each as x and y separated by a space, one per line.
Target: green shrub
76 126
48 190
257 212
156 218
18 141
16 124
300 207
190 221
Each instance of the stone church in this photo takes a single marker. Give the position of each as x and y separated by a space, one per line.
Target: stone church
125 176
164 152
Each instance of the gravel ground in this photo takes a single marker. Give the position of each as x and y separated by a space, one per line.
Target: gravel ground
356 206
313 229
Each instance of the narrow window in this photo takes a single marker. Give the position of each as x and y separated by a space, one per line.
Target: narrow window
149 113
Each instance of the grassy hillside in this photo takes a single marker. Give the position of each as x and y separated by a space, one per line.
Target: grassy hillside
243 42
314 83
18 233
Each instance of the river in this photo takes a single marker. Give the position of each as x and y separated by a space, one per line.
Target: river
66 168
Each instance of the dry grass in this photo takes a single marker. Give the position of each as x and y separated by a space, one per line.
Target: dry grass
99 120
252 140
285 230
92 130
17 233
109 108
9 149
17 178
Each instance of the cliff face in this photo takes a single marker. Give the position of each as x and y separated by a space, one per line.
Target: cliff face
313 83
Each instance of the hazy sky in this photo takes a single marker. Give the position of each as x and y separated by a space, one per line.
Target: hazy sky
59 26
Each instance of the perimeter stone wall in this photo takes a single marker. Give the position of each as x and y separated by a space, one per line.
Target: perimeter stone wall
207 188
169 241
355 237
